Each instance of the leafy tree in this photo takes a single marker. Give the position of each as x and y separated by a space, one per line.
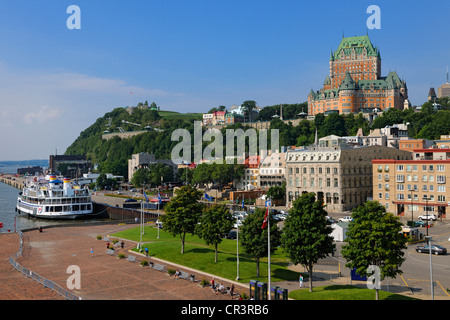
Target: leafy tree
254 237
306 235
277 192
374 239
103 182
215 222
248 106
182 213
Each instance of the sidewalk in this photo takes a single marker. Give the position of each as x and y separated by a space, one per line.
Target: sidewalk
103 277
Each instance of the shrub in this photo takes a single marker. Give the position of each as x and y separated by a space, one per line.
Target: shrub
144 263
204 282
121 255
99 237
171 271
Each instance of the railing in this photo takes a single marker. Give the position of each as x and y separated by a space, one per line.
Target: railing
33 275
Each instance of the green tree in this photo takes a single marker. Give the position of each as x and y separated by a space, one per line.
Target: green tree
248 106
306 235
215 222
277 192
374 239
254 237
182 213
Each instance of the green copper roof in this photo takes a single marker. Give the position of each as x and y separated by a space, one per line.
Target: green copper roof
348 83
358 44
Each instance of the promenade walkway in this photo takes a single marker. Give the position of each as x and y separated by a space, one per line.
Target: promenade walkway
103 277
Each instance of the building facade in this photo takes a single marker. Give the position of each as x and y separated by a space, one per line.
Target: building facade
341 176
272 170
354 83
414 187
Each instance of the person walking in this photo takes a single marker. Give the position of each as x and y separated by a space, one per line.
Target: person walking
146 251
300 280
92 251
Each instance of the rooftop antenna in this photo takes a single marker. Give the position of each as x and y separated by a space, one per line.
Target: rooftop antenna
447 74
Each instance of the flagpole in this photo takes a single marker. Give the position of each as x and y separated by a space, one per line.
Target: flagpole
268 246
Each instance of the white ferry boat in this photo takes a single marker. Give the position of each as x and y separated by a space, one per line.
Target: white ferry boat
54 199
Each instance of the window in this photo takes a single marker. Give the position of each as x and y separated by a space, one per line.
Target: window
441 198
440 168
400 178
400 196
399 167
400 187
424 178
441 188
440 179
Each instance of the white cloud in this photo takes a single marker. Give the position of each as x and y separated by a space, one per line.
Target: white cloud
42 115
52 108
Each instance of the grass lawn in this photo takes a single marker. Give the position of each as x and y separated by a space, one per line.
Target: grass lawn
199 256
344 292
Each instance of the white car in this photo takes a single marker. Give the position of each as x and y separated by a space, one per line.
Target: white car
346 219
427 217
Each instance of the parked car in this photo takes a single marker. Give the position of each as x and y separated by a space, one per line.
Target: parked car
346 219
435 249
231 235
419 223
427 217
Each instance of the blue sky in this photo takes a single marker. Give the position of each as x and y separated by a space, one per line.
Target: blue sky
190 56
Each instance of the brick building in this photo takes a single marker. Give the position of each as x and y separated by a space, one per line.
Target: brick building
414 187
355 84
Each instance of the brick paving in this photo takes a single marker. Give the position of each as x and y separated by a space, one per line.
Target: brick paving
103 277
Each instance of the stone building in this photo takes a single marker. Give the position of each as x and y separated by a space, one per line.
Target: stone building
272 170
340 176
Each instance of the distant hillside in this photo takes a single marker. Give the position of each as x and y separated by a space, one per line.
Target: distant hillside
24 163
112 155
429 122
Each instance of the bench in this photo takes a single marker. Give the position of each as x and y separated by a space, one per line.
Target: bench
159 267
184 275
131 258
110 252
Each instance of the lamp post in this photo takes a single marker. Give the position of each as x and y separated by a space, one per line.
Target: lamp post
431 267
426 212
237 247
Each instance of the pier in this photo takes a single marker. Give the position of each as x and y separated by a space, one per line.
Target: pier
13 181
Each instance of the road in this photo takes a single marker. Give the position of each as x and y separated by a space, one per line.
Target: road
416 268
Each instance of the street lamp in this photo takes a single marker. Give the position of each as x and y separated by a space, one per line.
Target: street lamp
237 247
431 267
426 211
